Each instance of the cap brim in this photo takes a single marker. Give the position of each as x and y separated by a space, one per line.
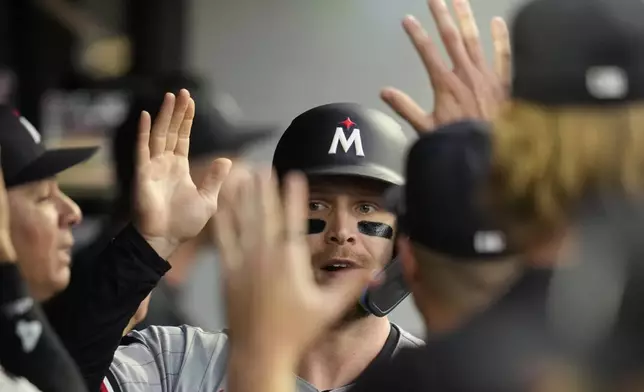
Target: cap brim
234 140
372 172
51 163
394 199
242 137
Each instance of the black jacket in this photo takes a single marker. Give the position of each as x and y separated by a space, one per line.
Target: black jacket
28 346
496 351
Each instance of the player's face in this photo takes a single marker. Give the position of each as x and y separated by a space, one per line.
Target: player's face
350 232
41 220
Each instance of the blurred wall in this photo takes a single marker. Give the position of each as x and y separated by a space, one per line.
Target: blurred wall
281 57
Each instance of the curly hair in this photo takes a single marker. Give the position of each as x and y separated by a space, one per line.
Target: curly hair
547 159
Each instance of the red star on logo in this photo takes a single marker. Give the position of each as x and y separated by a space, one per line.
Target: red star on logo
348 123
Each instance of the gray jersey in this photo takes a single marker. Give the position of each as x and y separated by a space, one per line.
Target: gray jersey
182 359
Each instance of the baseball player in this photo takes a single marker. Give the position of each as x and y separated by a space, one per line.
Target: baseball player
175 358
351 154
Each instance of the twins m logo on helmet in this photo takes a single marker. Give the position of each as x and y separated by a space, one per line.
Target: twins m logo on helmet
340 137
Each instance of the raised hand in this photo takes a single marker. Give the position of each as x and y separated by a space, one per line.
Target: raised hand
170 208
472 89
275 307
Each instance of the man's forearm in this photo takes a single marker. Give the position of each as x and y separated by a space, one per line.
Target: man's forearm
104 294
163 247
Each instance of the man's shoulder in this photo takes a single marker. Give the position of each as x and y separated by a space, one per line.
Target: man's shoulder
407 340
169 356
180 340
183 332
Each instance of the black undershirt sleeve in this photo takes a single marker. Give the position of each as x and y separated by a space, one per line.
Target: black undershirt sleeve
107 286
28 346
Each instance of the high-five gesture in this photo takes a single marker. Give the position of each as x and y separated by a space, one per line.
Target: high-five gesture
472 89
170 207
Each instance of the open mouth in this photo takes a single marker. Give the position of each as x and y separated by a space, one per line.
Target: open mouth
338 265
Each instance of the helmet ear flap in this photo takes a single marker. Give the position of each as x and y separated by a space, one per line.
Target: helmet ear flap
383 298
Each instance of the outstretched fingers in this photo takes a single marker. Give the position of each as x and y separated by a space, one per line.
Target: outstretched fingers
159 130
470 32
502 52
178 118
296 201
183 137
428 52
408 109
143 140
450 35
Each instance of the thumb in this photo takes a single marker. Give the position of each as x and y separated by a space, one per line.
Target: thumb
211 185
408 109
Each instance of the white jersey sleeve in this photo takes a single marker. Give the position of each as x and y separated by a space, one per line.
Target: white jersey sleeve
169 359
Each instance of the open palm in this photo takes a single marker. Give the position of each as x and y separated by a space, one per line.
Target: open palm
170 207
471 89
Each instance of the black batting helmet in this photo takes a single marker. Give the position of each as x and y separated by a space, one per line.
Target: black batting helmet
344 139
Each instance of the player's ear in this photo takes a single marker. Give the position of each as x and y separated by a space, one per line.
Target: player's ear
408 261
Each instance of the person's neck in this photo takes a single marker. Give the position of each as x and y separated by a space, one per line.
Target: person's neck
344 353
440 319
442 316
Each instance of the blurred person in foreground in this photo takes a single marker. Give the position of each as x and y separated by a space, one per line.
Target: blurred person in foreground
214 134
584 95
105 291
484 303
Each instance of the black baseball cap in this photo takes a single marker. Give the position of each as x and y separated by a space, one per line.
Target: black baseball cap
579 52
24 157
343 139
441 206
